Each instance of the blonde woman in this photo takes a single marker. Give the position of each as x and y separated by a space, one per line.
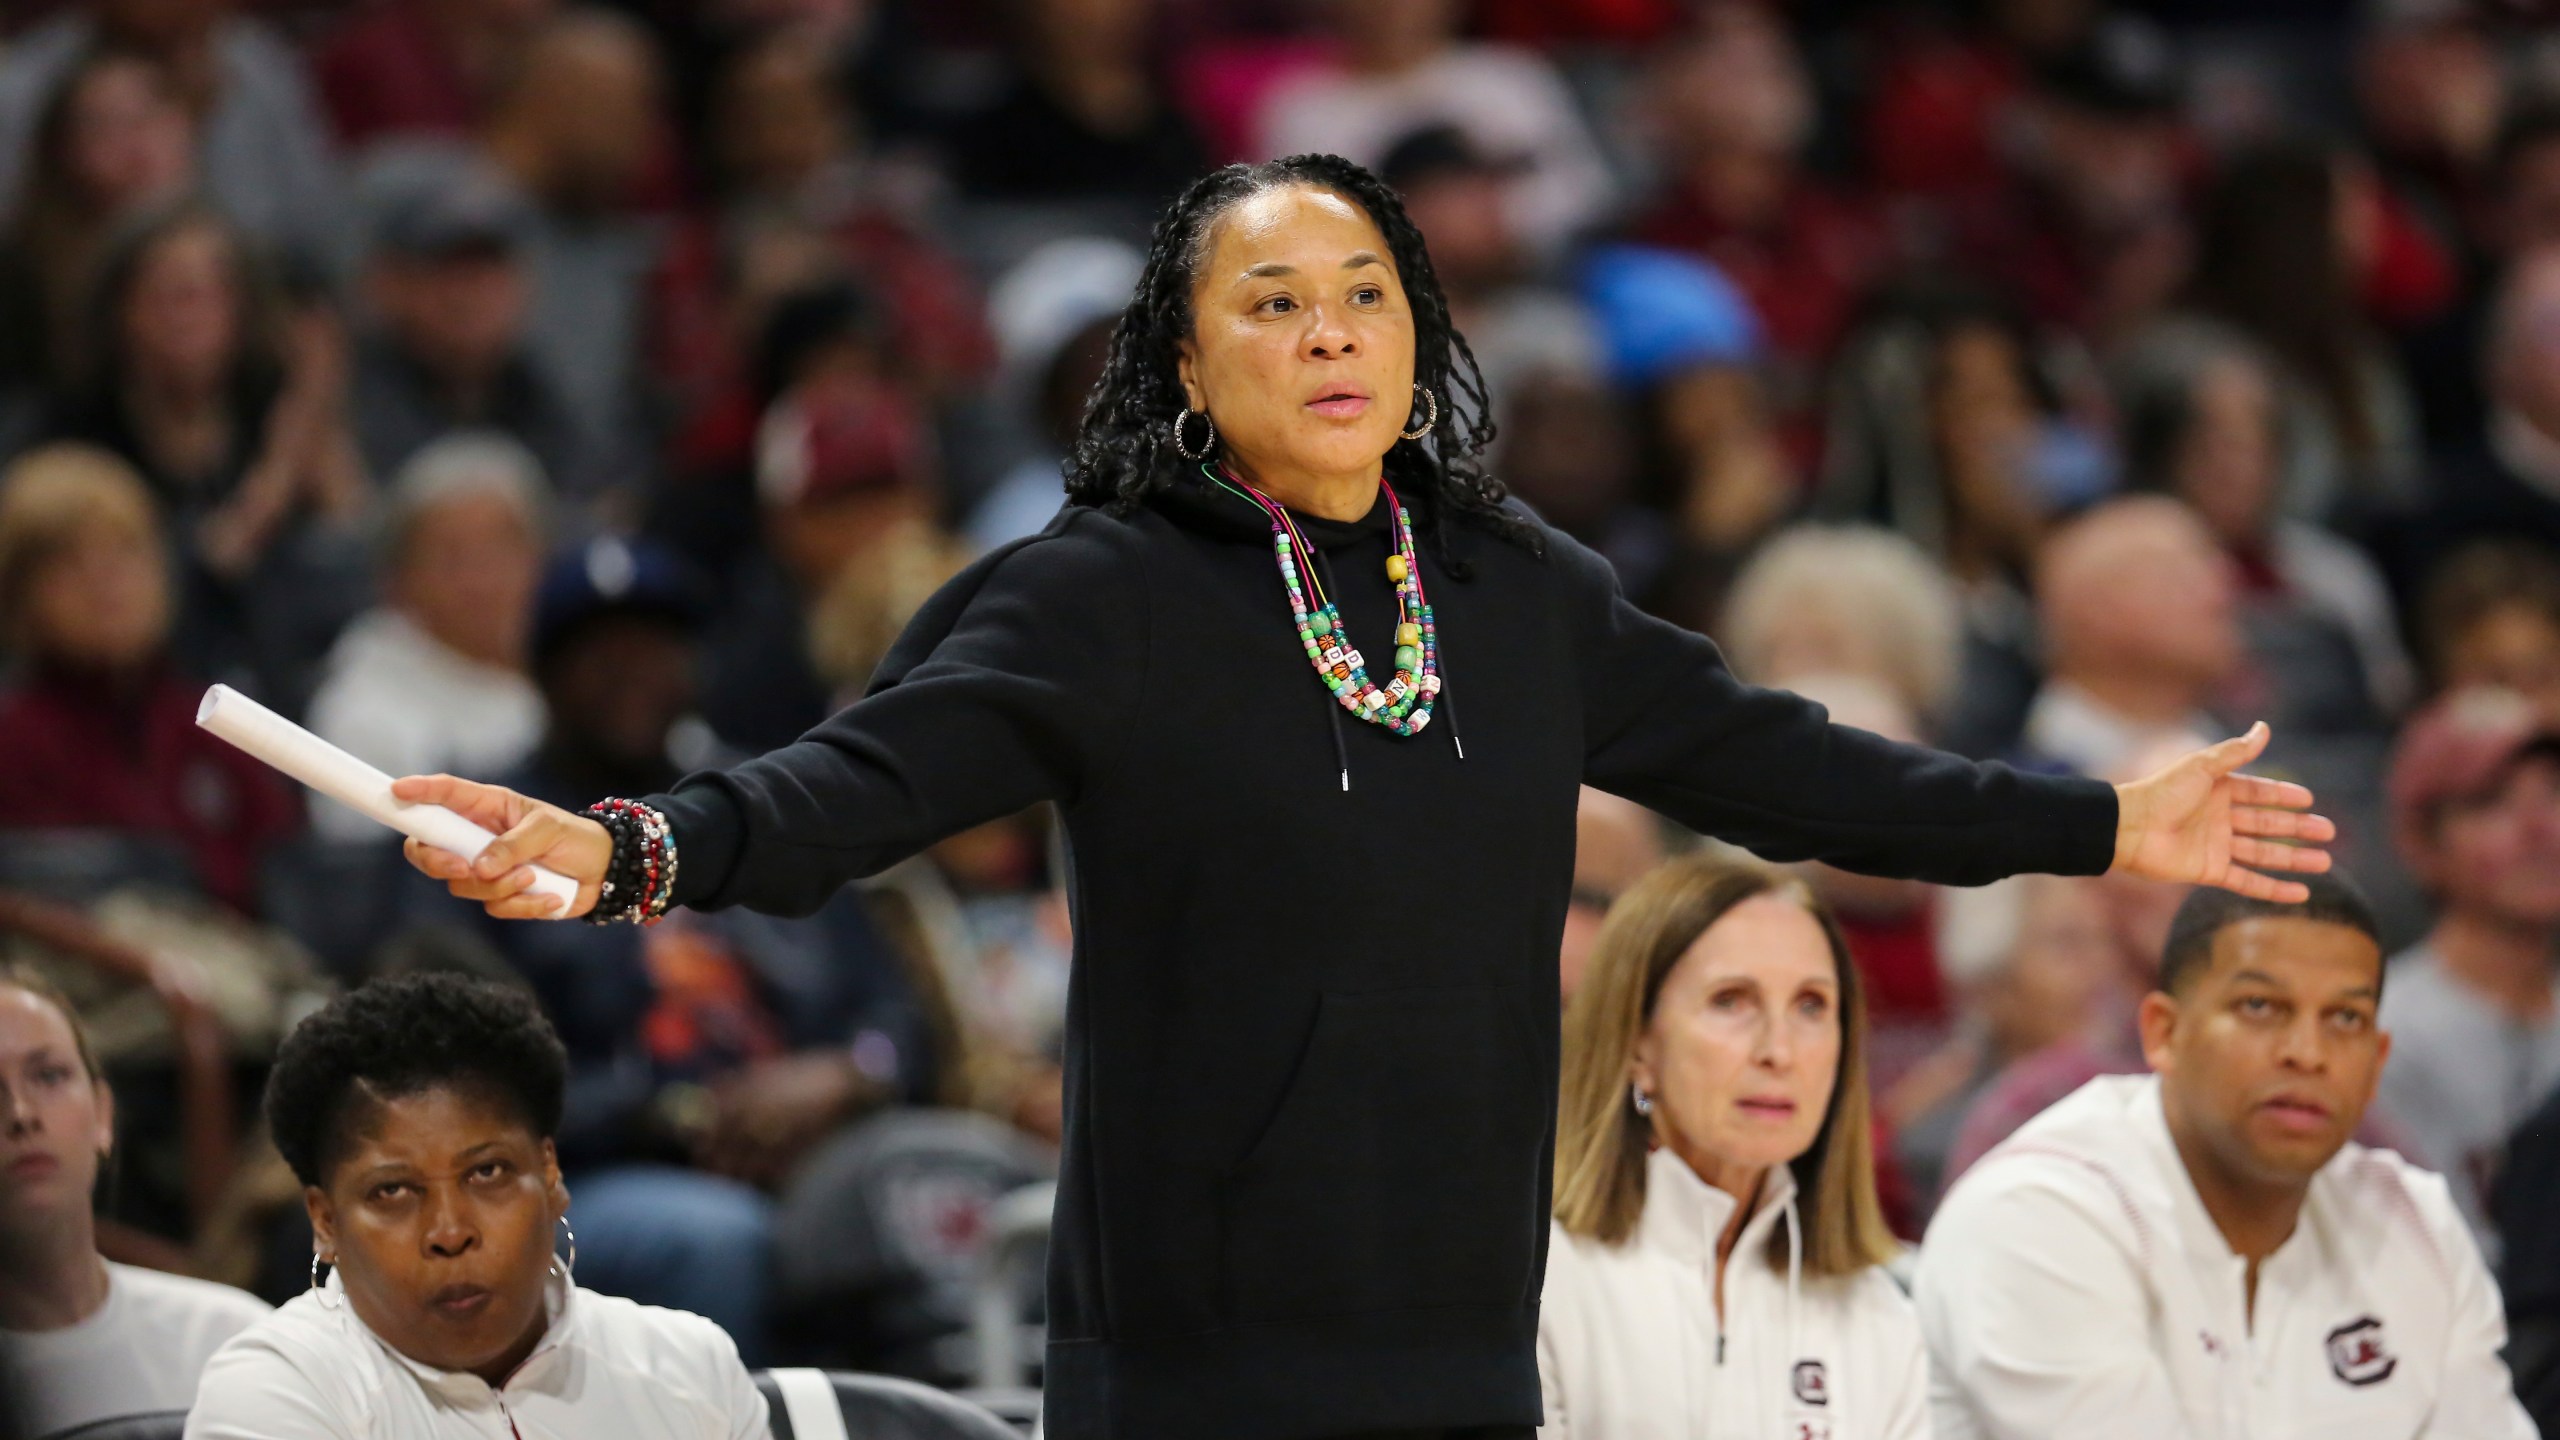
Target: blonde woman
1715 1264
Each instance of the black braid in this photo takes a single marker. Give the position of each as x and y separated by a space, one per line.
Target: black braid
1124 450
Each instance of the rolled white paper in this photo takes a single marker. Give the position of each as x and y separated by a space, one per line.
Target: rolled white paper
342 777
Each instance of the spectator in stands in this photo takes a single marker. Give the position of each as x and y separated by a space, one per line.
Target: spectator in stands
1053 314
1402 66
433 678
2430 90
112 141
2284 239
2498 485
264 149
448 291
2140 633
1732 111
1084 114
1616 842
2474 1008
232 406
419 1115
421 67
2202 1251
2490 617
1943 427
1847 600
2515 214
82 1339
576 129
843 468
1714 1177
98 731
2027 959
1570 452
2203 421
706 1056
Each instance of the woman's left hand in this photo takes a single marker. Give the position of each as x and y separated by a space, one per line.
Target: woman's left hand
2200 823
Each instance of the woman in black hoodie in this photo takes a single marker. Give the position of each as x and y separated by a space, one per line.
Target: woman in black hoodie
1311 1065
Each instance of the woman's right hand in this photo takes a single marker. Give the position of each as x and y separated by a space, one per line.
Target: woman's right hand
529 833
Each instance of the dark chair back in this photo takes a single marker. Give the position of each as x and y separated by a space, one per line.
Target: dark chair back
842 1405
156 1425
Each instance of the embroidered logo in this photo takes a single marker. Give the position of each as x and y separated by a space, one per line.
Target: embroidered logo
2357 1354
2213 1345
1812 1383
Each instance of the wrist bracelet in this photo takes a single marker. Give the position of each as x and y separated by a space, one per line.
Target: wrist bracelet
640 880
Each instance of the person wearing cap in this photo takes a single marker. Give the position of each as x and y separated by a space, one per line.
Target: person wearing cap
1310 1060
2474 1007
2201 1253
447 291
434 675
1052 315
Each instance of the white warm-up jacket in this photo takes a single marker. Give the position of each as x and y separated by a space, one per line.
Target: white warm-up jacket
1629 1347
2073 1285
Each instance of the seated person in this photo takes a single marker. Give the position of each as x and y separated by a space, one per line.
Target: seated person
98 729
418 1114
1714 1178
2201 1252
82 1339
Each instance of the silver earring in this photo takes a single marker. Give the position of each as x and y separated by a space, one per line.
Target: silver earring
1206 445
568 1269
1643 1102
1432 401
320 1292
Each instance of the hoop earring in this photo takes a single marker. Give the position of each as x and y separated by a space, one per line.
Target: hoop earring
1428 399
1206 445
568 1269
320 1291
1643 1102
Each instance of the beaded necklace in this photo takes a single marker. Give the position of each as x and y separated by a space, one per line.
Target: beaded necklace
1403 704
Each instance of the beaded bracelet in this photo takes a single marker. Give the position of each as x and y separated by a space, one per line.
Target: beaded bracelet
640 880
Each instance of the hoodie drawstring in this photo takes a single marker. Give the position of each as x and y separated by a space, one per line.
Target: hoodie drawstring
1795 1287
1333 712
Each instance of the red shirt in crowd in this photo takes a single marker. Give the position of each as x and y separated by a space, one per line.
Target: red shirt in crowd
82 752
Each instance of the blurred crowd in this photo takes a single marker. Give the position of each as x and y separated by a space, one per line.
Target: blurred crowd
575 394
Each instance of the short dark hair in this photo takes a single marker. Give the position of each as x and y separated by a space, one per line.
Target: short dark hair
2209 910
401 1036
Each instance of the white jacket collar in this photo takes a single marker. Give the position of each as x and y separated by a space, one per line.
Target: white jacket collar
1684 1215
559 1302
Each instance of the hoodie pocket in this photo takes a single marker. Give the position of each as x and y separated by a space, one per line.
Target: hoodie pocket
1402 1170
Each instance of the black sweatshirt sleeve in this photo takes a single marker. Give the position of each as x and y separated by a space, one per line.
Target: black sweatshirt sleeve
1005 690
1668 726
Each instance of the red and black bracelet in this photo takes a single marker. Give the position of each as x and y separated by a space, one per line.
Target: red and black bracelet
640 881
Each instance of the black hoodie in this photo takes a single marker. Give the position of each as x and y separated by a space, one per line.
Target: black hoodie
1311 1029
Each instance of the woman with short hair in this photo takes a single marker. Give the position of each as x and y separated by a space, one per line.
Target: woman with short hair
419 1114
1716 1268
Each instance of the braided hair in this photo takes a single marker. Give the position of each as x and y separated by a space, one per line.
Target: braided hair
1124 450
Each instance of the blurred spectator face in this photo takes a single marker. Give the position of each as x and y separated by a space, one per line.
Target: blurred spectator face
2497 853
155 24
1743 1044
1461 216
2112 171
1565 452
101 601
126 139
1985 417
777 118
2431 90
1393 31
2137 590
182 314
2509 647
459 315
1735 108
2228 463
2269 1058
2524 368
586 105
57 1121
2064 960
1068 29
1615 841
841 467
621 685
466 575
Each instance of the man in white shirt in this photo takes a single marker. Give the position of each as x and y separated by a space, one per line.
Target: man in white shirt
2200 1254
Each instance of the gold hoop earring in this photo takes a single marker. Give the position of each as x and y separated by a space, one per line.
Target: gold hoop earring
1428 399
1206 446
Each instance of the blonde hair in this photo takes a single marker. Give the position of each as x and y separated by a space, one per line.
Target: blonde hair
1602 1144
1866 588
50 499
